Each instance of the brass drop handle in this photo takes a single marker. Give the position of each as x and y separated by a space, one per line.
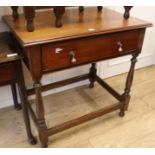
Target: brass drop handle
72 57
120 46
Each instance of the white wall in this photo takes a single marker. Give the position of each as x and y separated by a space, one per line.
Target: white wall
105 69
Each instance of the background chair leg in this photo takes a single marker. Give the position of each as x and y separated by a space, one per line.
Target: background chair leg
17 105
29 12
24 100
99 8
59 11
81 8
14 12
127 11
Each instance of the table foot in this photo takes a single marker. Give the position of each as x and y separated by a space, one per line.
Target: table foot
91 85
44 146
121 113
32 140
18 107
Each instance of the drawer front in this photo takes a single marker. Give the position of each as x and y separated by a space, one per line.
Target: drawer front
7 72
70 53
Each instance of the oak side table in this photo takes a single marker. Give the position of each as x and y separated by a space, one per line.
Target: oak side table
85 39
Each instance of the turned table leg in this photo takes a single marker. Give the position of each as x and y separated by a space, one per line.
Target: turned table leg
127 11
14 94
24 101
59 11
29 12
92 75
126 94
40 115
14 12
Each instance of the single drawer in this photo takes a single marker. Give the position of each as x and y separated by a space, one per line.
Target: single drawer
7 72
75 52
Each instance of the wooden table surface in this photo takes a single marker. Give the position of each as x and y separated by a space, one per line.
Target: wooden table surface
75 25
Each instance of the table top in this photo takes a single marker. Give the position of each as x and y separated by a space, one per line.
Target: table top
75 25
